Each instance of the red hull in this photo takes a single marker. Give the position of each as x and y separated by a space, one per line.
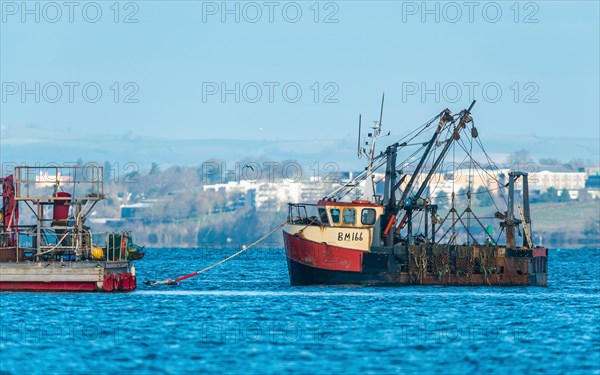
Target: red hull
112 283
48 287
313 263
322 256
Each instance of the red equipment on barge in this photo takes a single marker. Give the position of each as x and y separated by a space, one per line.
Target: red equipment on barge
401 239
59 253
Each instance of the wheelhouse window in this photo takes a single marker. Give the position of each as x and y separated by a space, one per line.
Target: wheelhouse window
349 216
323 216
335 215
368 216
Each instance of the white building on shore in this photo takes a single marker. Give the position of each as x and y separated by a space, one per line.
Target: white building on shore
274 196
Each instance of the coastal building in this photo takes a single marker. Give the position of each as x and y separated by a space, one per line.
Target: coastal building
274 196
541 181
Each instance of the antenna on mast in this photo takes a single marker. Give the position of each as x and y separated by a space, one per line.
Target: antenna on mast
359 124
381 112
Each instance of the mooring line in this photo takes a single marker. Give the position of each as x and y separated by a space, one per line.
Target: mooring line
193 274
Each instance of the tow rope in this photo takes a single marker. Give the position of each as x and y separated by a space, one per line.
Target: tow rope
244 248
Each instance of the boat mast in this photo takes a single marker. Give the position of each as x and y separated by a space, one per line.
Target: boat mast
389 195
373 162
410 204
465 118
445 116
369 189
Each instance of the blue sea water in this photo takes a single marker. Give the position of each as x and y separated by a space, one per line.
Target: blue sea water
244 317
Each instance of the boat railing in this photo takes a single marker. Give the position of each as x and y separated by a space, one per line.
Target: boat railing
57 242
116 246
63 243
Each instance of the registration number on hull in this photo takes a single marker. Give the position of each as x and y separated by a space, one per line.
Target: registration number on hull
355 236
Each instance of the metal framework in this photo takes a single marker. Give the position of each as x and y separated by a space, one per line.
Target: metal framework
402 205
41 189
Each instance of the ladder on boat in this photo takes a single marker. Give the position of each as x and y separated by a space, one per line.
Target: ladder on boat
525 225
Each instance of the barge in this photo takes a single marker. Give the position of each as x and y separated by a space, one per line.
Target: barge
58 252
355 236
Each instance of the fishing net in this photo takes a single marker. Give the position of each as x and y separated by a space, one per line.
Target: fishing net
417 263
440 261
464 261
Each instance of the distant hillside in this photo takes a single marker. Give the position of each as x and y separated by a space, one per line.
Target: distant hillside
571 224
143 150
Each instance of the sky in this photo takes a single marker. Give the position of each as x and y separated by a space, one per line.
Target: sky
184 81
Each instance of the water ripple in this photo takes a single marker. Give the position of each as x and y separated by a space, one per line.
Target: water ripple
218 322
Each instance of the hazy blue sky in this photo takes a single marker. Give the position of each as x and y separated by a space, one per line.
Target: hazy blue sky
543 56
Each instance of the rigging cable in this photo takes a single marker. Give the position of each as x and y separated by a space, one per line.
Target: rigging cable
193 274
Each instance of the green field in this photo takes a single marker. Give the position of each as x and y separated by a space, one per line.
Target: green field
571 217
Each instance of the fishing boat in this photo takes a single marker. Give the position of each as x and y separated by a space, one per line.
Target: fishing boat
58 252
410 234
